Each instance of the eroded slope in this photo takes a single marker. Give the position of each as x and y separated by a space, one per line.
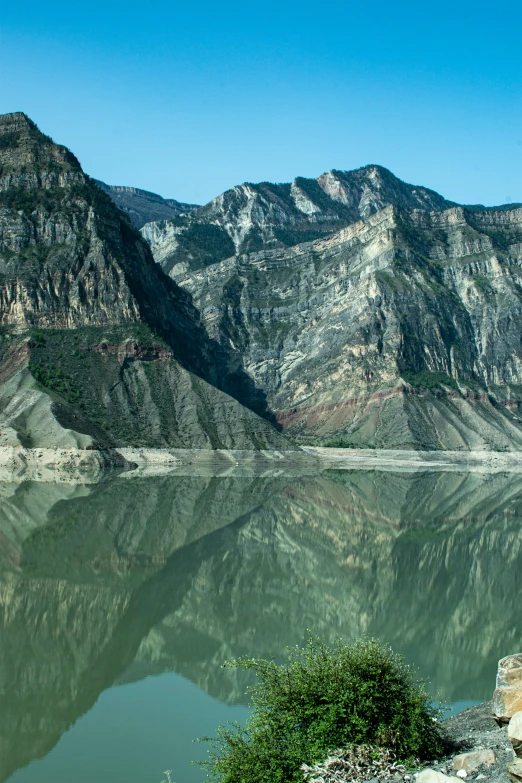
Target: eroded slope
97 345
401 330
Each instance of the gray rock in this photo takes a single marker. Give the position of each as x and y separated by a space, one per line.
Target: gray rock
143 206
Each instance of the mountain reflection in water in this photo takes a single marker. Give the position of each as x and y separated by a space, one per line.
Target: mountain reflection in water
106 584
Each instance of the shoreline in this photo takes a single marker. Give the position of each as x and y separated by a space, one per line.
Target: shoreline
90 466
405 460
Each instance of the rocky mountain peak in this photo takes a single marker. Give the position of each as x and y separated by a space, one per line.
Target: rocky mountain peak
254 216
29 159
374 187
15 122
369 310
97 344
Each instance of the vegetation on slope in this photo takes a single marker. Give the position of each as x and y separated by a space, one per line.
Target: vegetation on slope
202 244
79 367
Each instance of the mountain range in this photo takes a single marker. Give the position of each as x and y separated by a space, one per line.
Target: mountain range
353 309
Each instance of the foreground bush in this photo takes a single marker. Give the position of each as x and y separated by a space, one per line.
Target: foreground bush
324 698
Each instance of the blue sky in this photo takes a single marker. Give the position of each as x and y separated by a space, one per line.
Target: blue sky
188 99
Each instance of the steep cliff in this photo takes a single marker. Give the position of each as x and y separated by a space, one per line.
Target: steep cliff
401 329
97 344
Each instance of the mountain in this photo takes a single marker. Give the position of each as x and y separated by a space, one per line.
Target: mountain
370 312
97 345
254 217
143 206
352 309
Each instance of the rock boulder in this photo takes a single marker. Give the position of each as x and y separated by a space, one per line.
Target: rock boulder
515 733
432 776
470 762
514 771
507 698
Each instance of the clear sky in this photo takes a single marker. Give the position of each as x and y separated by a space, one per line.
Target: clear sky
189 98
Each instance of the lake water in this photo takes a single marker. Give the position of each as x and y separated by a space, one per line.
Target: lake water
120 601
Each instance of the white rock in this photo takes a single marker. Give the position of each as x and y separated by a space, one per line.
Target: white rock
431 776
470 762
462 773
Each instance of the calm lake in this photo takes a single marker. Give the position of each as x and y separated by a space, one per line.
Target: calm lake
120 601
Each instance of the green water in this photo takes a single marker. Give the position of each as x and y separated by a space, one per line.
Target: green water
120 601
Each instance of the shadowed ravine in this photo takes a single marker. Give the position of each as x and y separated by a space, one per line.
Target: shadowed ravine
108 584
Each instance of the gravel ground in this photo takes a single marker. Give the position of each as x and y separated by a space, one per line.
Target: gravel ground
475 729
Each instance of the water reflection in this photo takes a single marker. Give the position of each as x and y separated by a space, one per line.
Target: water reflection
107 584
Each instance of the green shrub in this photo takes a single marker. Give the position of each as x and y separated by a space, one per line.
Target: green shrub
203 244
37 337
27 200
324 698
482 283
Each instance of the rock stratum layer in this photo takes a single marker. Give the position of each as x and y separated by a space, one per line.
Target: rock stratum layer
98 346
370 312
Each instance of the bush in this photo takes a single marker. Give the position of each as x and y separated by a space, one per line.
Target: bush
37 337
324 698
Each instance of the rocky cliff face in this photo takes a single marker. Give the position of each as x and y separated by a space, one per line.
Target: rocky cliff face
399 330
142 206
251 217
118 353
